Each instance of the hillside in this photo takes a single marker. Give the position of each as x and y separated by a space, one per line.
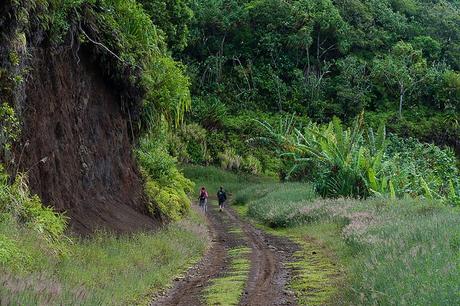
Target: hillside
229 152
82 106
397 60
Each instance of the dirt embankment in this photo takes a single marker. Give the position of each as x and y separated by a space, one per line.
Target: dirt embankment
76 146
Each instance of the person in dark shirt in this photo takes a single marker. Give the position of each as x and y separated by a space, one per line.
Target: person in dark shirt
222 197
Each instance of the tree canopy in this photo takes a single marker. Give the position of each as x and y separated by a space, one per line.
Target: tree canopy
314 57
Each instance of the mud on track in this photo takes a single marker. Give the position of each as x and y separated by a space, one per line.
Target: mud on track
268 276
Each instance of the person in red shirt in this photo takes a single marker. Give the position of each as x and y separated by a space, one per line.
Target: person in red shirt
203 199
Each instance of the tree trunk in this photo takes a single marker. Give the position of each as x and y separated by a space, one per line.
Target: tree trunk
401 98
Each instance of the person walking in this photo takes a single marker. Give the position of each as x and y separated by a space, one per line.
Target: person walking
222 197
203 199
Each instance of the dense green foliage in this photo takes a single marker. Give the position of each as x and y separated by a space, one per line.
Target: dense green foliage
326 58
165 186
9 130
359 162
172 17
323 57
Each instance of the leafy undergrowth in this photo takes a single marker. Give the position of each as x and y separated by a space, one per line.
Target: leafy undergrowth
165 186
227 290
103 270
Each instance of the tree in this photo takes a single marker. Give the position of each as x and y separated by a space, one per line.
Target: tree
173 18
402 70
353 85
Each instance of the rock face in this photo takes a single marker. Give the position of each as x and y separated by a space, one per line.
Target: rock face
76 145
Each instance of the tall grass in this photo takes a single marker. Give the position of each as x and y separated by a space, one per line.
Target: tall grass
103 270
212 178
404 251
278 203
413 259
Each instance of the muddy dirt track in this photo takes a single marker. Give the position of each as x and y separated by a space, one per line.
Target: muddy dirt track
268 276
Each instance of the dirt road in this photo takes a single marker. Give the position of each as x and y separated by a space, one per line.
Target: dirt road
268 276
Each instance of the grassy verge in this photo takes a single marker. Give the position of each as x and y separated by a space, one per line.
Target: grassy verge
103 270
318 272
394 251
402 251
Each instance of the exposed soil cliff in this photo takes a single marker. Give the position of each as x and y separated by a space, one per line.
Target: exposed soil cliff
76 145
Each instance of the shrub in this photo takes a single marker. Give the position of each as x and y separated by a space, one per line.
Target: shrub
168 200
194 136
209 111
16 200
9 129
251 165
229 159
357 162
189 144
165 186
178 148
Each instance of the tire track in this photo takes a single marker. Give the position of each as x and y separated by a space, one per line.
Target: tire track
268 277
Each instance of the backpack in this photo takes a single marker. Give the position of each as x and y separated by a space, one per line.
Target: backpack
203 195
221 195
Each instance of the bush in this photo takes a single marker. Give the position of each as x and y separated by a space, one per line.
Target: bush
16 201
210 112
251 165
165 186
168 199
230 160
357 162
9 129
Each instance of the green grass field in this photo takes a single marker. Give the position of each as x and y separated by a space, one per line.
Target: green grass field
404 252
103 270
